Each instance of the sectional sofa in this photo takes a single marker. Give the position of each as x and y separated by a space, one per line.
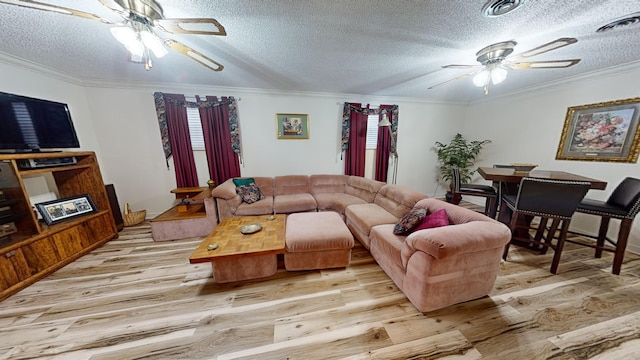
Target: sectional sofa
434 267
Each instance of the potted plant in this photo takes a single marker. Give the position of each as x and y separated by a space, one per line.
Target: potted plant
461 153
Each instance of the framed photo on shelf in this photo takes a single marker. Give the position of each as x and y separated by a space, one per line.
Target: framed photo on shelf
64 209
292 126
606 131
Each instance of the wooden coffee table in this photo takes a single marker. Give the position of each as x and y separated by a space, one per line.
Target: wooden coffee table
243 256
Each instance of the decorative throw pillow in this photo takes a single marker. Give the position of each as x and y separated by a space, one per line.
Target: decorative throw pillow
409 221
433 220
245 181
249 193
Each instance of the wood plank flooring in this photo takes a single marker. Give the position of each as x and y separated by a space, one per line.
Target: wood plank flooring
136 299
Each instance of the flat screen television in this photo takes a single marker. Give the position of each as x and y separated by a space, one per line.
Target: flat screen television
28 124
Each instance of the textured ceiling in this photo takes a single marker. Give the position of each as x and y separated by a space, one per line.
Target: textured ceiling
370 47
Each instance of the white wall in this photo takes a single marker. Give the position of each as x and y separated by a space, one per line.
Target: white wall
120 124
29 80
132 157
526 127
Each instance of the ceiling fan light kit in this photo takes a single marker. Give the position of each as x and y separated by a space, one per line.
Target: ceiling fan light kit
137 32
494 64
139 43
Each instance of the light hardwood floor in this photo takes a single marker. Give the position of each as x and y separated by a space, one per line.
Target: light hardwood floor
136 299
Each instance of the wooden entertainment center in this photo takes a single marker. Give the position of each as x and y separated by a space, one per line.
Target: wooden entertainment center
30 249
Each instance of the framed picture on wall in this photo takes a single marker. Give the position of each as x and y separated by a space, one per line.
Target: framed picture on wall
63 209
606 131
292 126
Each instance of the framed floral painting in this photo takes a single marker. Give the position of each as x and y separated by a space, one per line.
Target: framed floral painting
606 131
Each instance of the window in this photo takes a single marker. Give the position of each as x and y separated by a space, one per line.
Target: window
372 132
195 126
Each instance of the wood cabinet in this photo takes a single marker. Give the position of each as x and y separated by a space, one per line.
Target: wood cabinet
30 249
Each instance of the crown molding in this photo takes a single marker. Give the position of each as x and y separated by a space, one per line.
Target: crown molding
589 76
194 88
39 69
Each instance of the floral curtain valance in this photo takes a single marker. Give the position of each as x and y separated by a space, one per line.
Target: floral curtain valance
348 108
160 100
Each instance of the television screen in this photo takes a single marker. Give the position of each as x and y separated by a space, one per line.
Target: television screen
28 124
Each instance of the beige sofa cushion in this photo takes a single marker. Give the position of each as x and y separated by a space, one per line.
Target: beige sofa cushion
230 204
363 188
261 207
291 184
362 217
321 184
336 202
397 200
330 193
287 204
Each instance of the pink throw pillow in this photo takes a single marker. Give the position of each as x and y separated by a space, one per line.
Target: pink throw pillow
433 220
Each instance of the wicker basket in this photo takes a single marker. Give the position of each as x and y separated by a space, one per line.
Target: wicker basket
133 217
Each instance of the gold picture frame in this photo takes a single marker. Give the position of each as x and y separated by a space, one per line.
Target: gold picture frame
606 131
292 126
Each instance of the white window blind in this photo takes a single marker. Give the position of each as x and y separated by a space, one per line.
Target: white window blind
195 126
372 132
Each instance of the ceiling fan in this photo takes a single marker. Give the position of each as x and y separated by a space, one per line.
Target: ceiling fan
494 63
137 32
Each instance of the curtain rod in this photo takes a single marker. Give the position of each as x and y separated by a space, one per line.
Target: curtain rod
342 103
237 98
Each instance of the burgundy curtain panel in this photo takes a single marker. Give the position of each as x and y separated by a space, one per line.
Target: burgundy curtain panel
355 153
180 140
223 162
383 147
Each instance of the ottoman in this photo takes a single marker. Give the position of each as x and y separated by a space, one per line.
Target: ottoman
317 240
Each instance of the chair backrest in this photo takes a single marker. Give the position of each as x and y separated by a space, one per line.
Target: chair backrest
455 178
550 198
627 196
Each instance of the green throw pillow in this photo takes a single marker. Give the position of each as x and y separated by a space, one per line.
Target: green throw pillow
242 182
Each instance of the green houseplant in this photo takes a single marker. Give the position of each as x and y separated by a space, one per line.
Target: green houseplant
461 153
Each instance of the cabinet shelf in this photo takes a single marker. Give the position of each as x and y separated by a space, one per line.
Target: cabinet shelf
30 250
29 172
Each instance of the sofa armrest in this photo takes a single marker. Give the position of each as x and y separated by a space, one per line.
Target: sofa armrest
226 191
457 239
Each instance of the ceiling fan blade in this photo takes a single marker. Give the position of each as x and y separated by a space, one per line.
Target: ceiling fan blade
452 80
36 5
115 7
553 45
176 26
454 66
551 64
194 55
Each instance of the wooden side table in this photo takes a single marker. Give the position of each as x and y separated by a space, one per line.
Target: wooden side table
199 219
192 193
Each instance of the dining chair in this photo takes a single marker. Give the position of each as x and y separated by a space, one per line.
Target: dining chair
554 200
486 191
623 204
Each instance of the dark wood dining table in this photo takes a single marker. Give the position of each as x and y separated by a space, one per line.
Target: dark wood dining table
512 178
507 175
